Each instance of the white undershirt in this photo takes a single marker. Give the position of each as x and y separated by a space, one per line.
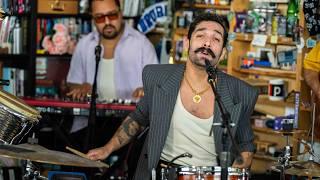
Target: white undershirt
105 80
189 133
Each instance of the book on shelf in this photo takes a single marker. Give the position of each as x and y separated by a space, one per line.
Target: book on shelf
16 79
41 68
13 34
15 6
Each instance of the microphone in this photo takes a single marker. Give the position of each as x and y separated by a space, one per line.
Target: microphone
212 71
97 50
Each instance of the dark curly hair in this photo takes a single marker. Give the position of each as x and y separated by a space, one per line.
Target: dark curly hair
205 16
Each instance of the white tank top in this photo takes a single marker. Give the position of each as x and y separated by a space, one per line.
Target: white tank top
105 80
189 133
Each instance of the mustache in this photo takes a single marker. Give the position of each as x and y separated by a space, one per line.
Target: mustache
108 26
208 50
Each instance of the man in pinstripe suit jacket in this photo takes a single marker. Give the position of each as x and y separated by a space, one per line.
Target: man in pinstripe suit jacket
179 106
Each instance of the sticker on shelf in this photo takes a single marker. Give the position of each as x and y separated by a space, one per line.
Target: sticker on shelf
311 42
274 39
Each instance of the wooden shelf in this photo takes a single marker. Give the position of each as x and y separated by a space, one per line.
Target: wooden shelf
25 14
278 132
83 16
248 37
264 99
273 1
206 6
181 31
179 62
13 56
64 56
157 31
15 60
268 72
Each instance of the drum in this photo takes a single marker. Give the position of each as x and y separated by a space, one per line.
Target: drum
210 173
16 118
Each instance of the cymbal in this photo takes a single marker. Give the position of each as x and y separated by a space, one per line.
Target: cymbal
41 154
304 168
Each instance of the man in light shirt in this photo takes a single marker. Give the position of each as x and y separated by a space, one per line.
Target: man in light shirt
125 52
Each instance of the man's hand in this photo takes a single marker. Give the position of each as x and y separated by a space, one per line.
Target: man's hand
138 93
80 91
126 132
99 153
246 160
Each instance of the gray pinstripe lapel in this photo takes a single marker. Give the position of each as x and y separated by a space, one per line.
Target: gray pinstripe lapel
234 109
163 105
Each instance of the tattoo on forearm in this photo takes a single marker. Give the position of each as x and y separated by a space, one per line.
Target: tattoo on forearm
127 130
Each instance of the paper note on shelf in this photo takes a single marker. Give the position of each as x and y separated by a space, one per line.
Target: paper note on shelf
259 40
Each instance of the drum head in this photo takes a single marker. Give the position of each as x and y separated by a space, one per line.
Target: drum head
17 105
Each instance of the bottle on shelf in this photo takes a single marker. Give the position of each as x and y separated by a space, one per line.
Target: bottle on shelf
292 17
17 38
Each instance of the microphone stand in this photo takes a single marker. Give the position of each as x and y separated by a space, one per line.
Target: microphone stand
89 141
225 115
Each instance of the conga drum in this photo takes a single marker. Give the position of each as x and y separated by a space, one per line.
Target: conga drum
16 118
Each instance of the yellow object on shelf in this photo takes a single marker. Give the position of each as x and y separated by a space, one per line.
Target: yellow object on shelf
58 6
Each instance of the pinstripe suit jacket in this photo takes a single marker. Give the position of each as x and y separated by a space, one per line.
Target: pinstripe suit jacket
161 85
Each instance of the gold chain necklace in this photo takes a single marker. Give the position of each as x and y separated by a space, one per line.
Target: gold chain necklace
197 97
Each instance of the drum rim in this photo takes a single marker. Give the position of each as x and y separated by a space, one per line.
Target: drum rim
194 168
18 107
23 117
215 168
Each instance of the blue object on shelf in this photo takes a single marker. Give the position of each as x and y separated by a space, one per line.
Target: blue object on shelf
262 64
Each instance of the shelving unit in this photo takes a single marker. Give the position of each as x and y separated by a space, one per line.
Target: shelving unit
206 6
267 72
241 43
46 15
27 61
280 40
24 61
259 76
263 162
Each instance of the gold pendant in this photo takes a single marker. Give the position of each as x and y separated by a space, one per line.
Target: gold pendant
196 98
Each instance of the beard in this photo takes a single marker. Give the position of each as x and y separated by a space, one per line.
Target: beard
107 34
